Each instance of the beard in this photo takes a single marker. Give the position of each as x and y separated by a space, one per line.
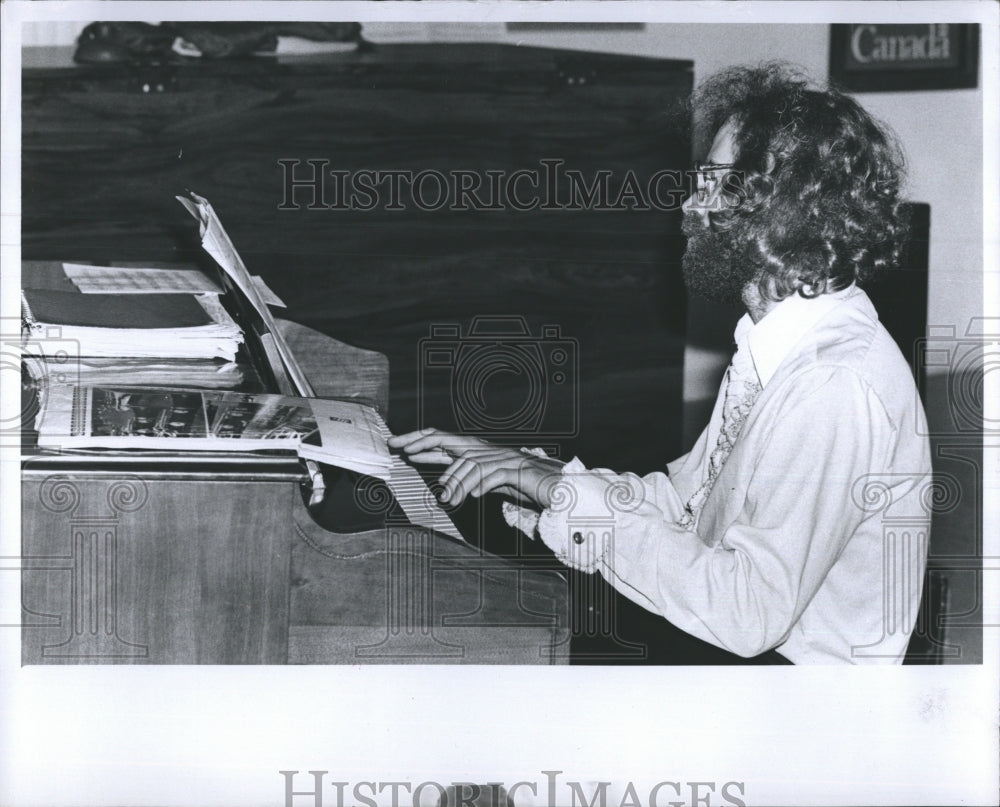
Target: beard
717 266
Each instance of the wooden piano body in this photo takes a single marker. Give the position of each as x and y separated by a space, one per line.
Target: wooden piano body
172 558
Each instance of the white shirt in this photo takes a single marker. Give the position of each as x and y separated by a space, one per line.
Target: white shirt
814 538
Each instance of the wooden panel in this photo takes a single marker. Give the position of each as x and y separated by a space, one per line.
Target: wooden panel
338 370
402 594
154 572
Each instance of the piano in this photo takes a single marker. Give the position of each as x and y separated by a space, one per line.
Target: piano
167 557
106 147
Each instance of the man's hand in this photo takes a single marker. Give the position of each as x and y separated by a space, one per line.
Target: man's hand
476 467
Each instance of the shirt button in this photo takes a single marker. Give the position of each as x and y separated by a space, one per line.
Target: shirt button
577 537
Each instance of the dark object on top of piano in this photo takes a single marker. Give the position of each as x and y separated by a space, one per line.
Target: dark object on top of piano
111 42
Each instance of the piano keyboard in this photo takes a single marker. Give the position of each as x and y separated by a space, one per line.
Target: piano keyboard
417 500
414 496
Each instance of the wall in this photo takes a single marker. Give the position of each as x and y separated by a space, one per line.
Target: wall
941 131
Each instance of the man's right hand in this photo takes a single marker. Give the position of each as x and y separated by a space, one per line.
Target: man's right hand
476 467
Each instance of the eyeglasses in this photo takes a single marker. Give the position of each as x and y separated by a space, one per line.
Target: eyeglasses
707 177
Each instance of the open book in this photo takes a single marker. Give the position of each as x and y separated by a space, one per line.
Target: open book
341 433
122 417
128 417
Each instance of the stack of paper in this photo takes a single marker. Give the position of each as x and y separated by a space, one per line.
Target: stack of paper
155 372
180 326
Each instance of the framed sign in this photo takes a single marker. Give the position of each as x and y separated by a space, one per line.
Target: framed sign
877 57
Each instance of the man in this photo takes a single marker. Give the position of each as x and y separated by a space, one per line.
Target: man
798 522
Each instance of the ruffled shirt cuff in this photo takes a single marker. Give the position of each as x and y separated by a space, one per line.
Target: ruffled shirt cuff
523 518
579 523
577 526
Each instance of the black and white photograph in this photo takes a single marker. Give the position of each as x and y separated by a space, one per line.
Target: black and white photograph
653 456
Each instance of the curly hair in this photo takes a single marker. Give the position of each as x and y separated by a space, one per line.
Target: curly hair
820 179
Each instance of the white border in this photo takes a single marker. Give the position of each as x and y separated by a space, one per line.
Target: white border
218 736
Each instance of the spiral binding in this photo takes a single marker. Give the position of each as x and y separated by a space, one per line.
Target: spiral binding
27 315
78 413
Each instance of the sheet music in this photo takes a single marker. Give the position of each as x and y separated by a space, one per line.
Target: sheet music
348 436
216 242
135 280
175 326
406 484
140 280
267 293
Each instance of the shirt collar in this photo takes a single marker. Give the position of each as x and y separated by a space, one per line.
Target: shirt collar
770 340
